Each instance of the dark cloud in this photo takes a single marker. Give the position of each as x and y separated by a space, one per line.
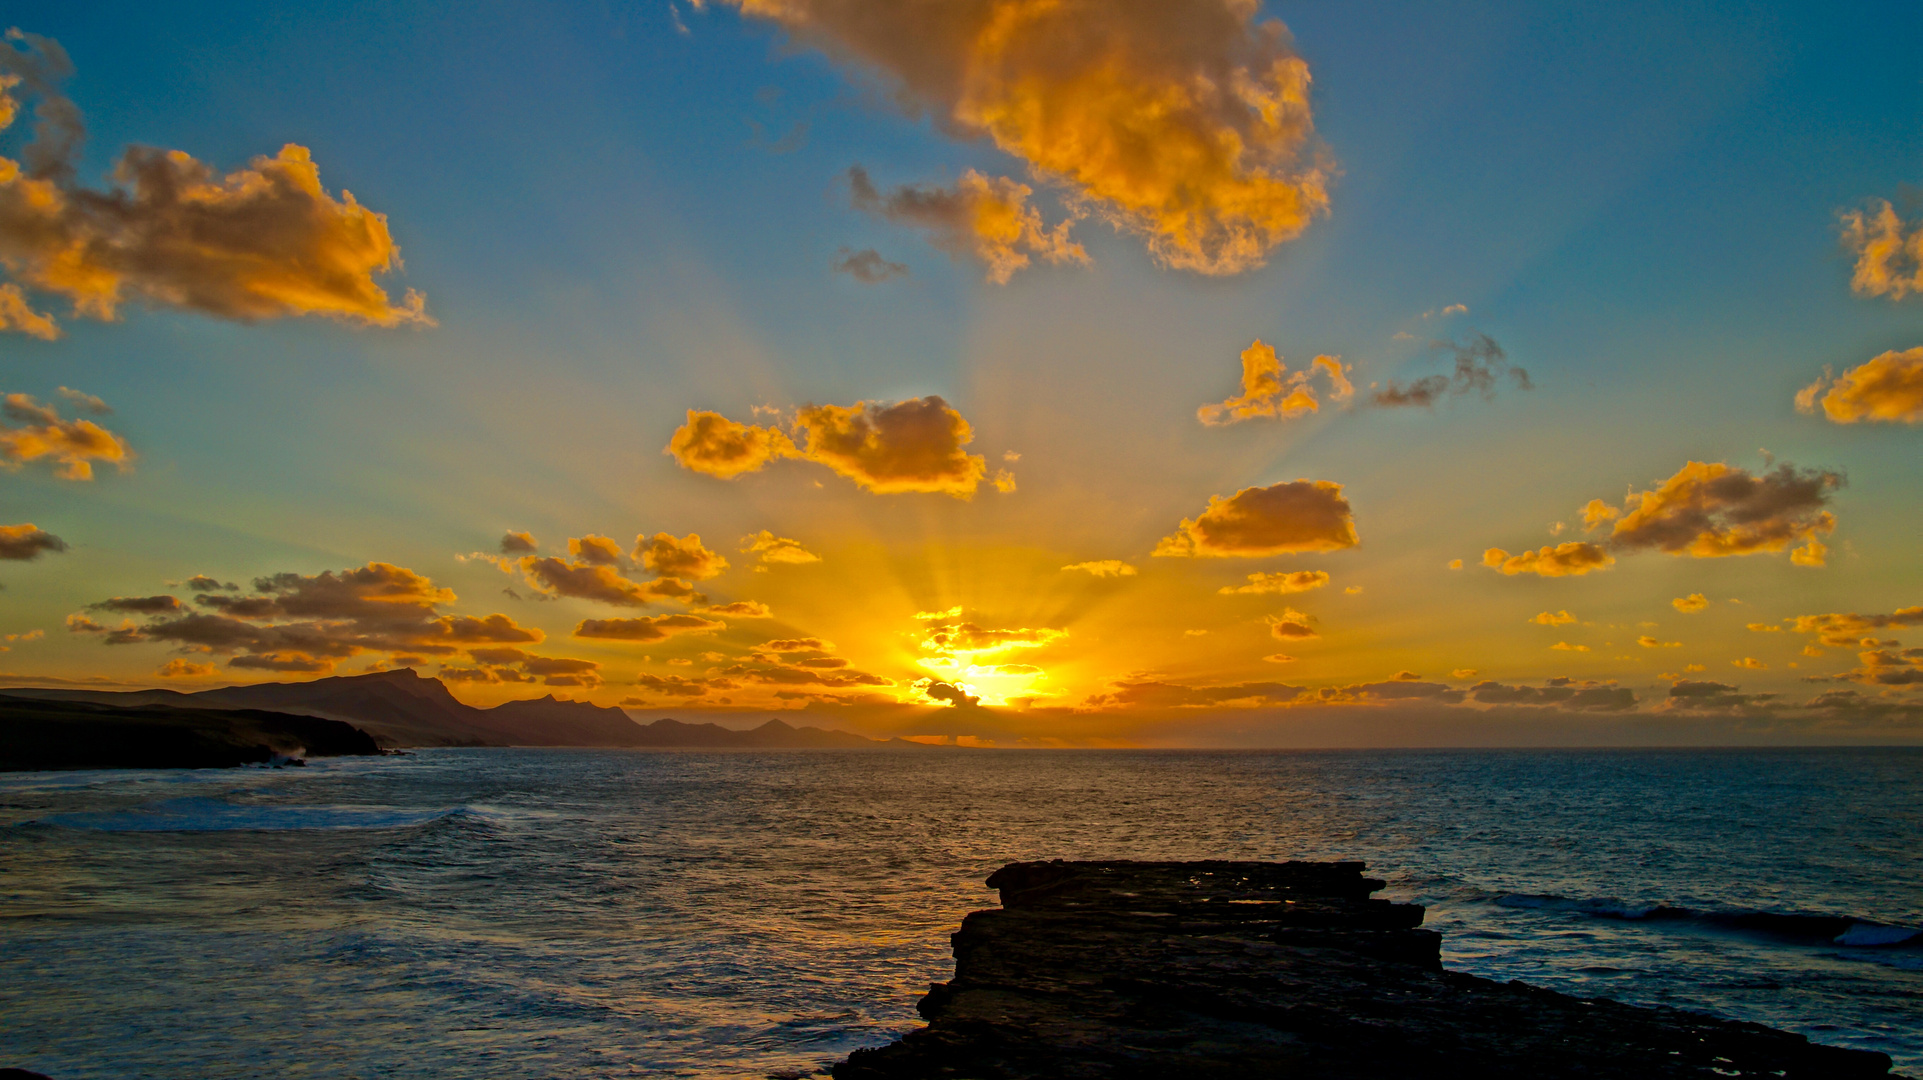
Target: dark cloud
21 543
646 629
1479 363
1560 692
867 266
518 543
1711 509
1284 518
138 605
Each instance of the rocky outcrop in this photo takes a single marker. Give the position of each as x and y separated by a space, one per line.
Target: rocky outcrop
78 735
1241 969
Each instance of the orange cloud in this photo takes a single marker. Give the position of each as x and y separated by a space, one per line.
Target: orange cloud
1572 559
1279 583
969 639
1564 646
262 242
595 550
1889 251
1596 511
1842 629
1184 121
678 558
777 549
745 609
1648 642
1887 389
72 445
1694 602
1751 663
1284 518
1145 692
1712 510
1556 618
21 543
599 582
647 628
1268 389
911 446
984 217
1099 568
1558 692
16 314
518 543
185 669
1291 625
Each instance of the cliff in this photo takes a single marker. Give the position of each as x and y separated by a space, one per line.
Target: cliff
1237 969
78 735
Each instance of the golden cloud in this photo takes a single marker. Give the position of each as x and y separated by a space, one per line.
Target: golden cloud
185 669
1268 389
599 582
1889 252
647 628
21 543
518 543
984 217
1184 121
595 550
1596 511
1712 510
1572 559
262 242
970 639
72 445
1099 568
1145 692
1291 625
777 549
1887 389
1648 642
1694 602
910 446
1843 629
746 609
1553 618
16 314
685 557
1279 583
1284 518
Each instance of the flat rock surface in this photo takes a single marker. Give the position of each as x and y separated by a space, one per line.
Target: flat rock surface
1234 969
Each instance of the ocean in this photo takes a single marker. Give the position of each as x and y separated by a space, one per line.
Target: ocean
591 913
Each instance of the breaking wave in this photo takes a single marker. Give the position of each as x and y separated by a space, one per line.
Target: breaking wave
1834 929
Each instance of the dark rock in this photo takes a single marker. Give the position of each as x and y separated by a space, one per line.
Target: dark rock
1237 969
77 735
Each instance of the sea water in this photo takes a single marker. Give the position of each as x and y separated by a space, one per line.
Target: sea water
583 913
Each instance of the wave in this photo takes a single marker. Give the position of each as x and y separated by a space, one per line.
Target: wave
197 814
1833 929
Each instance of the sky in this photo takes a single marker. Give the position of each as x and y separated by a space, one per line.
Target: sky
1189 372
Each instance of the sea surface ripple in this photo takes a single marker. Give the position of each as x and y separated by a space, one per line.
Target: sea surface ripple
574 913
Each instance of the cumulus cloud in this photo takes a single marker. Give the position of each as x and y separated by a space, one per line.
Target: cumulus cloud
648 628
1184 121
1145 692
1270 389
867 266
1115 568
1284 518
1649 642
262 242
1854 705
677 686
18 315
683 557
745 609
595 550
952 694
1689 695
185 669
1690 604
1596 511
1279 583
1564 646
305 623
71 445
85 402
777 549
518 543
969 639
1709 510
1560 692
1888 666
1888 250
987 218
1553 618
511 665
1478 363
599 582
1887 389
20 543
910 446
1844 629
1291 625
1572 559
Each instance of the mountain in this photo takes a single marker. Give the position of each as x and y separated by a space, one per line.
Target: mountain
43 734
404 708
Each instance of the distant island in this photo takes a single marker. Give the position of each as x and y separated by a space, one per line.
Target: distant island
389 709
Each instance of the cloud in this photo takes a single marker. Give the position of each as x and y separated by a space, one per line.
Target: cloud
647 628
1688 695
22 543
1278 658
969 639
262 242
1280 583
17 314
85 402
951 613
1751 663
1144 692
1291 625
685 557
1563 693
1887 389
954 695
186 669
1115 568
1478 364
1712 510
1853 705
604 584
797 645
777 549
1184 121
911 446
676 686
1564 646
1284 518
1648 642
518 543
1268 389
984 217
509 665
595 550
1842 629
745 609
305 623
867 266
1694 602
1888 666
1572 559
1889 251
72 445
1553 618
